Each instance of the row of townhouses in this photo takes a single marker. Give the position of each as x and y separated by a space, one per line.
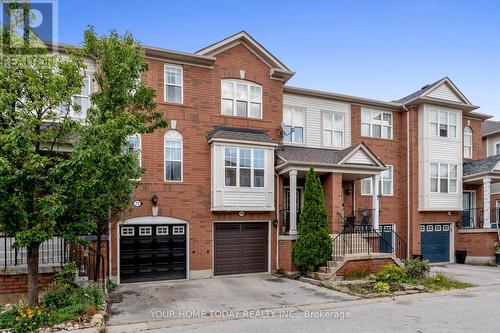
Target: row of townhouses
224 185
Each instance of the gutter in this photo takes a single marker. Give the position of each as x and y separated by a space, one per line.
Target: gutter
408 215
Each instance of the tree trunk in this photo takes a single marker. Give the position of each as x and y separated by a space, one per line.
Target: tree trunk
33 250
97 257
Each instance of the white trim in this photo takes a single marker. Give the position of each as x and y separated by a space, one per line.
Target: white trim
371 124
165 83
178 137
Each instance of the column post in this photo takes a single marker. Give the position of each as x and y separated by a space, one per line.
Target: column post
486 202
375 201
293 202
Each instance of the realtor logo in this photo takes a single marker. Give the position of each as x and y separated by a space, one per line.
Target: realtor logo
25 26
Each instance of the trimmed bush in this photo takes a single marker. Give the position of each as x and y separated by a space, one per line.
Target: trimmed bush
381 287
313 247
417 269
356 274
390 273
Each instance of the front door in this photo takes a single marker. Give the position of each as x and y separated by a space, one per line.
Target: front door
468 217
298 205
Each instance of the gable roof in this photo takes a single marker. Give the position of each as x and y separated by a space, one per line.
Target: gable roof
233 134
490 127
278 69
428 93
481 166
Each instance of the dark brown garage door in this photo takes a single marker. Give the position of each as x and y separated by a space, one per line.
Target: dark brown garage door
241 248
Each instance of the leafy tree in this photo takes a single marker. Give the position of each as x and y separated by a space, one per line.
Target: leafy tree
34 129
103 167
313 247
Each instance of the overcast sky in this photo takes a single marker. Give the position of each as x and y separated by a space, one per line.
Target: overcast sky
381 49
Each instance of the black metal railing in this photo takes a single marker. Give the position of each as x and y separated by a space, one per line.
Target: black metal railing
52 252
286 220
361 217
368 240
91 263
474 218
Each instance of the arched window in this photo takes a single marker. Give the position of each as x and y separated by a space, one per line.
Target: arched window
467 142
173 156
241 98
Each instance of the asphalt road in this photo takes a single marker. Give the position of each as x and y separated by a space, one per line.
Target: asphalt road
470 310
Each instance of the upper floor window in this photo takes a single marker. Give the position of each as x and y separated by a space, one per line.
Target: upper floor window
467 142
293 117
241 98
173 156
244 167
497 149
134 142
82 99
333 129
443 123
376 123
173 84
385 184
443 178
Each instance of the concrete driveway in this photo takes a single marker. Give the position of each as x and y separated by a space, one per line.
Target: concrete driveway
476 275
135 303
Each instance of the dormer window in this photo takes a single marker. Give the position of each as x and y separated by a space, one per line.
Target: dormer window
241 98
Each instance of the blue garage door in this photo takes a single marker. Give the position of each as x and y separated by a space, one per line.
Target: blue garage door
435 240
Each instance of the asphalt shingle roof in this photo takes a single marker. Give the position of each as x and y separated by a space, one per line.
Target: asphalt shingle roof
490 127
240 134
479 166
422 90
313 155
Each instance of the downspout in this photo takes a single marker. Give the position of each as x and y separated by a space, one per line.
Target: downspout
277 219
408 215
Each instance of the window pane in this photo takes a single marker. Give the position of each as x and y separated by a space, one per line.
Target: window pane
497 149
227 107
227 90
434 169
287 115
86 86
174 94
452 131
467 152
241 91
255 93
230 177
386 187
258 158
337 139
365 130
376 117
327 138
443 185
443 170
174 75
443 130
467 139
366 186
443 117
434 129
230 157
453 171
327 120
366 116
387 118
298 116
386 132
453 186
245 178
433 115
241 108
254 110
298 135
377 131
434 185
338 122
173 170
245 158
258 180
453 118
288 135
82 104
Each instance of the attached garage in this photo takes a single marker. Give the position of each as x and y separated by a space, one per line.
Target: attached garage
152 252
435 242
240 248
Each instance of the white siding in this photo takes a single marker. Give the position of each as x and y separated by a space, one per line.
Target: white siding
314 107
241 199
359 157
495 188
491 143
444 92
433 149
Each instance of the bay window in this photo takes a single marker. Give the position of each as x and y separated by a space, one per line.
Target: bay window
244 167
293 117
377 124
443 178
333 129
173 84
467 142
443 123
173 156
241 98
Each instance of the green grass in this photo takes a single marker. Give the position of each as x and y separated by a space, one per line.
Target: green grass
438 282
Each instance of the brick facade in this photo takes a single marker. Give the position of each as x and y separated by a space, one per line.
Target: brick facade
371 265
10 284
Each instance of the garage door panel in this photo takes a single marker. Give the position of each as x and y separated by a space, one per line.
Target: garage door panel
152 257
435 242
240 248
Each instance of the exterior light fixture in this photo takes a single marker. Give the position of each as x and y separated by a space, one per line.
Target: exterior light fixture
154 200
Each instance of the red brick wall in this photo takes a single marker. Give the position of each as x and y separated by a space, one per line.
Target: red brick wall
332 188
477 244
190 200
372 265
19 283
285 260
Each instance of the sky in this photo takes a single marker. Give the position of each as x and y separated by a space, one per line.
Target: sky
381 49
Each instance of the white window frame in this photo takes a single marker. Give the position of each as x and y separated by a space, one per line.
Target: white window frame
439 177
238 168
134 148
165 84
468 133
178 230
438 123
333 129
127 231
389 169
173 135
292 123
82 113
159 231
248 100
380 123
